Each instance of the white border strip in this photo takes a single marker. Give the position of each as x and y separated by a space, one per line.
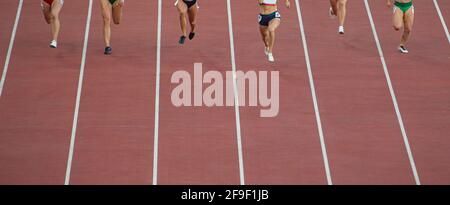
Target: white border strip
394 99
442 20
158 73
77 103
236 99
11 44
314 97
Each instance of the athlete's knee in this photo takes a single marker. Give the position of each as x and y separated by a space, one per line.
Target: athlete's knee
342 3
48 20
106 19
397 27
263 36
183 14
407 30
193 23
272 29
54 16
51 18
182 11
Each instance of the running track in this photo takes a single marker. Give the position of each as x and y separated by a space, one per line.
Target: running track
352 109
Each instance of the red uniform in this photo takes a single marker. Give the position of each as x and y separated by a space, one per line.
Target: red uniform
49 2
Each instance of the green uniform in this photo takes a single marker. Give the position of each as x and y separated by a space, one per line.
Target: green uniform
403 6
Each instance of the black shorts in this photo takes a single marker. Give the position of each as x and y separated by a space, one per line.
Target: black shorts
190 3
264 19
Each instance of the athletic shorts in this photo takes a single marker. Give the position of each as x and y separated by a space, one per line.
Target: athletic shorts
114 1
403 6
50 2
264 19
190 3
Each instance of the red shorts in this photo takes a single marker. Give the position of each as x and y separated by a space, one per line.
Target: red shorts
49 2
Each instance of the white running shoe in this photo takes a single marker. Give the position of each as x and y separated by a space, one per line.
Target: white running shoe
341 30
53 44
270 57
402 49
266 51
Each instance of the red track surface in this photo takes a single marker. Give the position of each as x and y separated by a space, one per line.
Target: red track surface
284 149
422 83
6 28
114 140
363 137
198 145
445 5
38 99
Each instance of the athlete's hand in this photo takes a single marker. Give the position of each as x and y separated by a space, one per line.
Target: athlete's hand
389 3
288 4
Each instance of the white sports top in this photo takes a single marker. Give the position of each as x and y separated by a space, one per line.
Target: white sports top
269 2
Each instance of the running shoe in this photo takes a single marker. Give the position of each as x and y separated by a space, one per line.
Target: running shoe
270 57
341 30
402 49
108 50
191 35
53 44
182 39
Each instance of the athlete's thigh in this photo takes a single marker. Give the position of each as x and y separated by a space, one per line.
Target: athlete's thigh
56 7
397 18
273 24
192 12
46 11
409 18
181 6
106 8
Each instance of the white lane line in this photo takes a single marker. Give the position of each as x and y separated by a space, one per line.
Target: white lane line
158 73
314 97
442 20
394 99
77 102
236 99
11 44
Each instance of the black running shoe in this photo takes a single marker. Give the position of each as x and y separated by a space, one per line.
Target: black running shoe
108 50
182 39
402 49
191 35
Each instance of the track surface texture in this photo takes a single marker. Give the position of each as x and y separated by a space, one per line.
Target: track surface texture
352 109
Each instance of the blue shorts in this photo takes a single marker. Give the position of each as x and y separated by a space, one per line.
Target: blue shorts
190 3
264 19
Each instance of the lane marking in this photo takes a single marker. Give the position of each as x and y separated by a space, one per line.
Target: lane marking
236 99
442 20
77 102
158 73
314 97
11 44
394 98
